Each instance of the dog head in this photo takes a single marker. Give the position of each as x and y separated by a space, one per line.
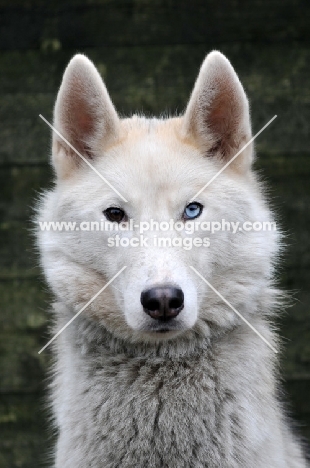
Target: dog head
162 183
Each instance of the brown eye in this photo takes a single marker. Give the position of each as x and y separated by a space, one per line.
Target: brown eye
115 215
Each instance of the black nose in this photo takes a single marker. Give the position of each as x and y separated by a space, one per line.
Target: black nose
163 302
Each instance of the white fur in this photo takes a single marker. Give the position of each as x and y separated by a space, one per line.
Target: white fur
203 394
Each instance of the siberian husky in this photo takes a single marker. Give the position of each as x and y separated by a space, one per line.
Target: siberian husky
173 364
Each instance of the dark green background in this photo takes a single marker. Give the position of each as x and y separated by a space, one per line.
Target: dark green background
149 53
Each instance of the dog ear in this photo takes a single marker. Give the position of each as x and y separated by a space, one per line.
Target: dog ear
217 115
84 115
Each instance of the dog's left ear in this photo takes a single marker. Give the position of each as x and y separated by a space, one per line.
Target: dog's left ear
217 115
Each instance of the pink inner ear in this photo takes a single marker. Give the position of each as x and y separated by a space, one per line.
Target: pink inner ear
81 115
223 120
80 98
82 124
217 115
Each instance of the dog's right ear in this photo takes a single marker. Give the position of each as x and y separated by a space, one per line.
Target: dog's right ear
83 114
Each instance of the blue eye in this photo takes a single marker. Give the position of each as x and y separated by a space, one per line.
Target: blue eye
193 210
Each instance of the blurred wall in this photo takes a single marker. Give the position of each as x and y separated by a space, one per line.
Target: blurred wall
149 53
